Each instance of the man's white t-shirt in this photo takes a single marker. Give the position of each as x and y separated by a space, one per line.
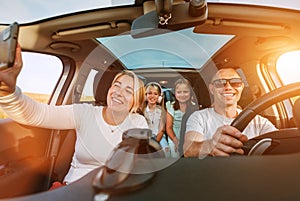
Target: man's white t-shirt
207 121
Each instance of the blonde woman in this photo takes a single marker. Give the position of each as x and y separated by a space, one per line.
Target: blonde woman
99 129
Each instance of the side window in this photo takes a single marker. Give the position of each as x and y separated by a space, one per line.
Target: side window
287 67
38 76
88 93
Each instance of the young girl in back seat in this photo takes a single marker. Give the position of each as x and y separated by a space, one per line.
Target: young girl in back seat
155 114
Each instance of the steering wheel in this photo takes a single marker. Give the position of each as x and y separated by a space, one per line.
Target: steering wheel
261 103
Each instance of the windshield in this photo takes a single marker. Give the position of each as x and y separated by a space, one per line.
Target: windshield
163 50
25 11
290 4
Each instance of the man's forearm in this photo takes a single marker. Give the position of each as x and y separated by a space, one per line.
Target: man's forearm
198 149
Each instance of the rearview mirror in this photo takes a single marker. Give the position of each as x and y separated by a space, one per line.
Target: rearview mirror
168 17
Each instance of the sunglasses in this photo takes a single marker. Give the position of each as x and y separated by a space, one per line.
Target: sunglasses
234 82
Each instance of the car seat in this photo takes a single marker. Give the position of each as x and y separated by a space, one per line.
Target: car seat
102 82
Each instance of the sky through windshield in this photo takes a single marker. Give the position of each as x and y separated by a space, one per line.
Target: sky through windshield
24 11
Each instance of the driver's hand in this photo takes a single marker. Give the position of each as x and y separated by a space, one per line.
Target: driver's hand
226 141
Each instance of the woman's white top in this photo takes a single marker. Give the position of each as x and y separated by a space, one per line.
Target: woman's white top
95 138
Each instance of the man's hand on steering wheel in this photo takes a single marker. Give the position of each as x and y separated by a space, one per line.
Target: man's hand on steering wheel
227 140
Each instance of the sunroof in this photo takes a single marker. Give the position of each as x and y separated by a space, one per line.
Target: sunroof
163 50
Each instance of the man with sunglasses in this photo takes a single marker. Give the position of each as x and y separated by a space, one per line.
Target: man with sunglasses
208 131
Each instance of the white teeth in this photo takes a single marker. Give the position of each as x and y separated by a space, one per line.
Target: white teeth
228 94
116 100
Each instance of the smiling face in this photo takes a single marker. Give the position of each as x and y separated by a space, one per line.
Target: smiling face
120 94
226 95
152 94
182 93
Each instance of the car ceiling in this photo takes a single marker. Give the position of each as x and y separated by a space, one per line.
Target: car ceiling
276 29
258 31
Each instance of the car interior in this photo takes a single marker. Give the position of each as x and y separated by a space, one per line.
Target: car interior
31 158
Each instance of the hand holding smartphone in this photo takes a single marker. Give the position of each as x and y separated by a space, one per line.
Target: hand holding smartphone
8 44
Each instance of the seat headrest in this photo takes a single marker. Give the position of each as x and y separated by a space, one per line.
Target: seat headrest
102 83
246 97
169 95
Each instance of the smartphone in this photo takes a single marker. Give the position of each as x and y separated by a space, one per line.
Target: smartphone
8 44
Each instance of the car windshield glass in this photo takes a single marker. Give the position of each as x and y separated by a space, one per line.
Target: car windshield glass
163 50
25 11
290 4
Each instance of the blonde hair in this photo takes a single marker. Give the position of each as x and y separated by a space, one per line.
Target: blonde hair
156 86
138 87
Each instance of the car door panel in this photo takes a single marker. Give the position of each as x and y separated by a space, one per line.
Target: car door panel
23 158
